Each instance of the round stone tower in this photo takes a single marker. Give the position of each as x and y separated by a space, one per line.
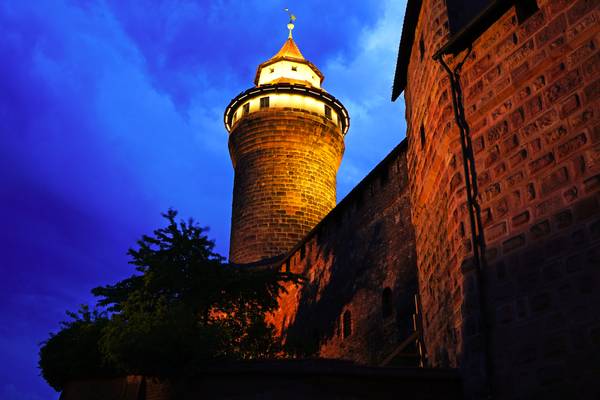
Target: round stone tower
286 141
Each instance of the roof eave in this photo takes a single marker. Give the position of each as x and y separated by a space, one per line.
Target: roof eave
467 35
411 17
457 43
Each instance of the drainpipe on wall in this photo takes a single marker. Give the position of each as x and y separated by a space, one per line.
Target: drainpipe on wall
474 209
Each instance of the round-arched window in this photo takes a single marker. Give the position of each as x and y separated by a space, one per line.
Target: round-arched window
387 307
347 324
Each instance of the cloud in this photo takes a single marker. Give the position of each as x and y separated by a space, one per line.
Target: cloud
363 83
224 41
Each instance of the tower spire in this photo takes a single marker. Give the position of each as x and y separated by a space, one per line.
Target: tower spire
290 24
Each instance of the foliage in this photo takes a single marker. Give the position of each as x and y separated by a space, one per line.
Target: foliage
73 352
184 307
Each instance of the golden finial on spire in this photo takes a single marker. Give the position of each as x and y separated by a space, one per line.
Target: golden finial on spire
290 24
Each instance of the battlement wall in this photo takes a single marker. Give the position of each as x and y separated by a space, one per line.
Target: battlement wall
362 249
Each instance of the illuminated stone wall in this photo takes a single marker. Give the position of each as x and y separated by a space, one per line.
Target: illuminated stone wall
532 98
431 164
362 247
285 161
286 100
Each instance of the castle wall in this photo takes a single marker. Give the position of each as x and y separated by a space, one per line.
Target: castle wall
362 247
285 161
532 99
289 379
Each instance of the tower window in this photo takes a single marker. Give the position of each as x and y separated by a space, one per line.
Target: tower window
347 324
264 102
421 47
294 68
328 111
246 108
235 115
303 252
422 136
386 303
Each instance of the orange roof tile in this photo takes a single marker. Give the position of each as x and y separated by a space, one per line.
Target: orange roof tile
289 50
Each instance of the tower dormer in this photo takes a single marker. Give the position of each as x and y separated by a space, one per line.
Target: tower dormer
289 65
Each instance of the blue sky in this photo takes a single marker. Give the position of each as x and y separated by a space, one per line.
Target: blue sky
111 112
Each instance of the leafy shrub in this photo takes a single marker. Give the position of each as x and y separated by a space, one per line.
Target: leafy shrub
184 307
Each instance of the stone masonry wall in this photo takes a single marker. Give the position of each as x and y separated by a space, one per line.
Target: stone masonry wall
265 380
532 98
362 247
285 161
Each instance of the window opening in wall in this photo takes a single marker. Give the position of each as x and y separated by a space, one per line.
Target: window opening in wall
246 108
347 324
323 230
271 70
384 176
264 102
287 265
421 47
422 131
525 9
359 201
235 116
294 68
316 338
327 111
303 251
386 303
338 219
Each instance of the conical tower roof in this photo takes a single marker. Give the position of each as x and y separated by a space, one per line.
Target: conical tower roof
289 50
290 53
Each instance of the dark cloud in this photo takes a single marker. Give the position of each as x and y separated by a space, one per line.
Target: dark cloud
228 39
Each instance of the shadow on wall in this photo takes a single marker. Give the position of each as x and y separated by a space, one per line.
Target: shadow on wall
358 302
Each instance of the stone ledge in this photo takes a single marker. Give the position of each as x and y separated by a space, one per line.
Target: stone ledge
290 379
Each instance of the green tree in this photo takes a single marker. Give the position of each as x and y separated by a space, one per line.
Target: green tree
73 352
184 307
